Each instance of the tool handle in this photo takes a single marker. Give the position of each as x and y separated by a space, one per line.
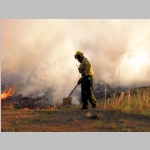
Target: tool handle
73 90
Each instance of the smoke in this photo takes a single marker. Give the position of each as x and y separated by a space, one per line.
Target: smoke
38 54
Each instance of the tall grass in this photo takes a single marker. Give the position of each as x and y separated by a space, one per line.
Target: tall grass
137 101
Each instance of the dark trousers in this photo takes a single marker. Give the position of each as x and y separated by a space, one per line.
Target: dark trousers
87 92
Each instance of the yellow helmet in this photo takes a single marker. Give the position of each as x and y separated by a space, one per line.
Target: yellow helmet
77 53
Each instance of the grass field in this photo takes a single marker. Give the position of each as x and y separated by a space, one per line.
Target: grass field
130 112
110 116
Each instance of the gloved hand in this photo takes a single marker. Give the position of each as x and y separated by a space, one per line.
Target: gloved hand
80 80
83 74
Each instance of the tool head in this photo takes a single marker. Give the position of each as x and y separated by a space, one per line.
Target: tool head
67 101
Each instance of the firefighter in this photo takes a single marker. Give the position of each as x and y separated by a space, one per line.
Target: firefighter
86 80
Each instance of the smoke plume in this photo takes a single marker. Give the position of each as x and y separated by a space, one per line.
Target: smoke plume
38 54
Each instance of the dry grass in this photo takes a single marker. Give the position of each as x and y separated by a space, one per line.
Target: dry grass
129 102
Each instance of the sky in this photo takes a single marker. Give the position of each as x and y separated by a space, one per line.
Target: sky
38 54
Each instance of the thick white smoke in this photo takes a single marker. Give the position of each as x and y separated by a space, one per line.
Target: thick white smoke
38 54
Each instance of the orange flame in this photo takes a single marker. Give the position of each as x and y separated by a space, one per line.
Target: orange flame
8 93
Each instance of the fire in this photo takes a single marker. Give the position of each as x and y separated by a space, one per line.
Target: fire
26 108
8 93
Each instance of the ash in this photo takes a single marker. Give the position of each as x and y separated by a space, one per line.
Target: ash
20 102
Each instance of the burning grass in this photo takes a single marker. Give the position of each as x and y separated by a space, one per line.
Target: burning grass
8 93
